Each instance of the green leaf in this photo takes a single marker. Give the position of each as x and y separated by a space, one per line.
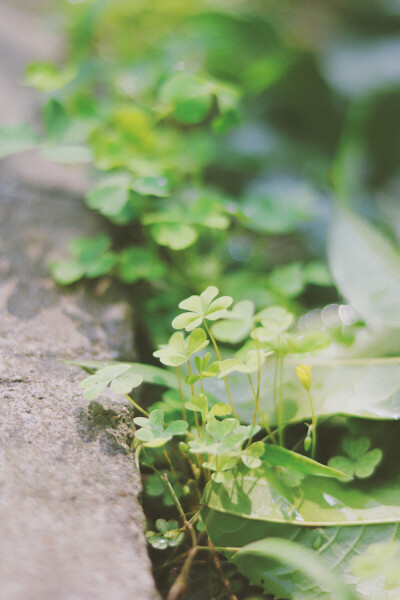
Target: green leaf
253 558
288 280
16 138
277 456
153 432
150 374
189 98
66 272
179 349
366 269
367 388
121 376
55 119
108 200
274 320
176 236
151 186
237 324
47 77
261 495
136 262
202 307
317 273
198 403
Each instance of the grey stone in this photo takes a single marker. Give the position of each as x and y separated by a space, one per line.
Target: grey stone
71 527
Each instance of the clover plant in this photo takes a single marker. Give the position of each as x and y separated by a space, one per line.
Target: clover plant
236 455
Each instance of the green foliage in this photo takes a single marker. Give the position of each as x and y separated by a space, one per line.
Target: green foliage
224 141
167 535
153 433
360 462
241 473
121 377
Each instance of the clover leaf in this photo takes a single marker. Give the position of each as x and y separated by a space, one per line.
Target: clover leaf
200 308
121 377
179 349
91 258
204 367
360 462
167 535
274 320
251 456
236 325
254 359
153 432
222 437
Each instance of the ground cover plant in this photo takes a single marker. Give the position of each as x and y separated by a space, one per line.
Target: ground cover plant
250 147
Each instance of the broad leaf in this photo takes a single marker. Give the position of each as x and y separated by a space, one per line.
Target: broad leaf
16 138
366 269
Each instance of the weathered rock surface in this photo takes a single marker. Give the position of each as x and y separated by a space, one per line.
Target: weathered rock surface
71 527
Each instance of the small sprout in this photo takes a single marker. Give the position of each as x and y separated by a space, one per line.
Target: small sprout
200 308
167 535
121 377
360 462
153 432
179 349
304 375
308 439
204 367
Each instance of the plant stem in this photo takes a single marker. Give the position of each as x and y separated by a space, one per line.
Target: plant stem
314 426
275 385
169 463
214 343
256 399
139 408
178 375
178 505
220 571
196 418
280 408
180 582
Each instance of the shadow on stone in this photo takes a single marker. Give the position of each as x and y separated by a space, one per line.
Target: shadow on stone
94 424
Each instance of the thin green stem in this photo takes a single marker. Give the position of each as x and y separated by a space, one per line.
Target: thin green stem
139 408
314 427
178 375
196 418
178 505
169 463
280 407
275 384
214 343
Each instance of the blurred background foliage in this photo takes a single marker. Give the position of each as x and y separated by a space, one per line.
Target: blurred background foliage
221 133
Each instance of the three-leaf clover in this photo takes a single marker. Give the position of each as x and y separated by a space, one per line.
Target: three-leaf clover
122 378
153 432
222 437
167 535
200 308
255 358
360 462
179 349
237 323
274 321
